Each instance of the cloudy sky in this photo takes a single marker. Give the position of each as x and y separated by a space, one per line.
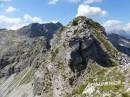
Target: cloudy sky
112 14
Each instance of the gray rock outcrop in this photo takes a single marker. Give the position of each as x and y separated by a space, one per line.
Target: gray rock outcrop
80 54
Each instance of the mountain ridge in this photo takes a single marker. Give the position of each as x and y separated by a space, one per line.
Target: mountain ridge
120 42
80 55
36 29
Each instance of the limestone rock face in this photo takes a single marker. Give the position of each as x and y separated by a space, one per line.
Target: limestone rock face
75 48
18 65
20 56
79 61
83 42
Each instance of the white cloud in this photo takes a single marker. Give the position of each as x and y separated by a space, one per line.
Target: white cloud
5 0
53 1
86 10
113 25
56 1
15 23
116 25
74 1
10 9
128 27
29 18
92 1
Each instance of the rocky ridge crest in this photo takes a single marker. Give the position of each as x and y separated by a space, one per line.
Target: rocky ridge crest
80 54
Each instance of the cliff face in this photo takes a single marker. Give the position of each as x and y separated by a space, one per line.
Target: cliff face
18 59
20 55
80 63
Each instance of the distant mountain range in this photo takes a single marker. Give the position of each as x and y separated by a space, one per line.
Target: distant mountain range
36 29
121 33
120 42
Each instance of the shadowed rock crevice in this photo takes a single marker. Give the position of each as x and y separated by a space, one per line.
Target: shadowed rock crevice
5 60
93 51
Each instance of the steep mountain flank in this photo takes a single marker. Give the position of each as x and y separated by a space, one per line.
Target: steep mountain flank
81 62
19 56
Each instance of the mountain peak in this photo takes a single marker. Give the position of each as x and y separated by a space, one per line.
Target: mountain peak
58 23
80 55
87 22
36 30
83 37
79 47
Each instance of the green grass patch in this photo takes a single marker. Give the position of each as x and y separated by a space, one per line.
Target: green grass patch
62 29
53 54
105 43
75 22
27 78
78 90
113 88
125 94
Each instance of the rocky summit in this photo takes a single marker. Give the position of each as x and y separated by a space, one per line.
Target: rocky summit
78 61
